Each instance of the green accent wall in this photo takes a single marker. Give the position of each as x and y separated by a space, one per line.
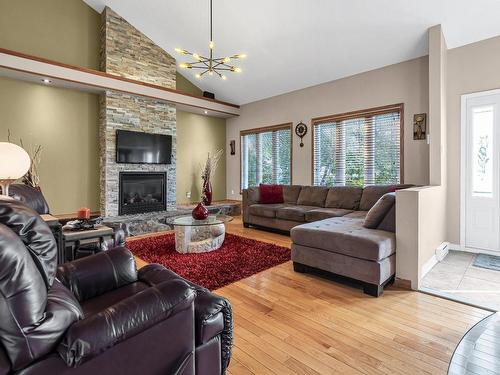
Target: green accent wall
63 30
197 136
65 122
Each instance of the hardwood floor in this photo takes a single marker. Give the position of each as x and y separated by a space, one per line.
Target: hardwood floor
290 323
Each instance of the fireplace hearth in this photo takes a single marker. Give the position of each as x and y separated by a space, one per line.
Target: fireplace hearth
142 192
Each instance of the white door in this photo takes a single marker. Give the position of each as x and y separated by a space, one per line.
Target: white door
481 168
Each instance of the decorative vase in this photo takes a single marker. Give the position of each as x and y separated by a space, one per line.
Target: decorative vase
200 212
207 192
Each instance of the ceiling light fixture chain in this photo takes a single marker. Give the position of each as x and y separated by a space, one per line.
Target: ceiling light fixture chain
210 64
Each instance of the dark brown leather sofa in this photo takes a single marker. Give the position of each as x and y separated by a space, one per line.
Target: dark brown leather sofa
329 230
99 315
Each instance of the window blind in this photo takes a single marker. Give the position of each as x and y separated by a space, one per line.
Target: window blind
266 157
359 149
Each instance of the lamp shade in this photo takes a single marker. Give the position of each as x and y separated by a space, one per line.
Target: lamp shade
14 161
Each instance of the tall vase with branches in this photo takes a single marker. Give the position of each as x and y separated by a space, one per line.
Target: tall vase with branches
32 177
207 173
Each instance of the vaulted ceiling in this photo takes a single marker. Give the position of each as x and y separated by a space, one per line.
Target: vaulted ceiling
292 44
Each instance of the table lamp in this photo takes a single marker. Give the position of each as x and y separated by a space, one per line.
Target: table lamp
14 163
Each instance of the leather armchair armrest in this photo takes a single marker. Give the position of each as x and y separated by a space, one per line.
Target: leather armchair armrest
88 338
214 317
213 313
100 273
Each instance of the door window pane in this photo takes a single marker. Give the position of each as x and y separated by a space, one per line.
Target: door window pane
482 150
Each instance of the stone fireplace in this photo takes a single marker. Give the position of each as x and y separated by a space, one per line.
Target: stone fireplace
142 192
126 52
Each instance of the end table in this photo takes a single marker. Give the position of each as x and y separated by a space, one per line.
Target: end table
72 240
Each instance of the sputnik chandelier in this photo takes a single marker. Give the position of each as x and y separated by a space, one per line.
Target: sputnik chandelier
210 65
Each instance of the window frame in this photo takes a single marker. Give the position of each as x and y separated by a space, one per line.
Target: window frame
399 107
264 129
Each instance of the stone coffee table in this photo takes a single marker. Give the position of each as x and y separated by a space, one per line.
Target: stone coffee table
199 236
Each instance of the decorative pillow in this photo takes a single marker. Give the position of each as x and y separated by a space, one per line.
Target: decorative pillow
371 195
379 210
270 194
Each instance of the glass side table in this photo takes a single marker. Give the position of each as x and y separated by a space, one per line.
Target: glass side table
199 236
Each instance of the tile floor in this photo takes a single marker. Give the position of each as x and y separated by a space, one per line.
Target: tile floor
455 277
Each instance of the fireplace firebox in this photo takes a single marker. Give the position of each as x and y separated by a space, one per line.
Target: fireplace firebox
142 192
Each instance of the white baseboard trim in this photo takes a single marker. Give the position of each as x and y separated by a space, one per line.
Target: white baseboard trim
456 247
440 253
428 265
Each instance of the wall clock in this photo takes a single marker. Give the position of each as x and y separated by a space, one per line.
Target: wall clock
301 131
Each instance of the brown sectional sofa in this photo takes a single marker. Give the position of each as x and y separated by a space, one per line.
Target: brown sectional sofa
330 229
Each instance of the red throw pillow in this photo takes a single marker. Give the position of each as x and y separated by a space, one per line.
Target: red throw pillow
270 194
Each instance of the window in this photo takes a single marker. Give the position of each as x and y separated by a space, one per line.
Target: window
359 148
266 156
482 153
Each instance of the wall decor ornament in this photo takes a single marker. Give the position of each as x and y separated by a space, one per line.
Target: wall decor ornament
420 126
301 131
232 145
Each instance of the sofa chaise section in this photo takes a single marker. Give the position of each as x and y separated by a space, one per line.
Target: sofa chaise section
344 247
345 230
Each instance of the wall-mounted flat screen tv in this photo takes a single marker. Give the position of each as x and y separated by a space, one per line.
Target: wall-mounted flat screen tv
143 148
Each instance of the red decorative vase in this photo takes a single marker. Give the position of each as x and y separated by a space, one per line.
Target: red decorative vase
200 212
207 192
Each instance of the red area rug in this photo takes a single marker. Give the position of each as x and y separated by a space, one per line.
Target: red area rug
238 258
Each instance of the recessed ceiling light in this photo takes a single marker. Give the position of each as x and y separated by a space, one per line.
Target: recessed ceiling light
206 112
46 81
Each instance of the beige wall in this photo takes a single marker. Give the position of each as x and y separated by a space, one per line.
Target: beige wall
471 68
196 137
432 210
406 82
65 123
61 30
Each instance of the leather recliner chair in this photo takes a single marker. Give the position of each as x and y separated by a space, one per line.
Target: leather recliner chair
99 315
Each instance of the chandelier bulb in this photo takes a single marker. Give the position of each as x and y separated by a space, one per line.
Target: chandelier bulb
208 63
